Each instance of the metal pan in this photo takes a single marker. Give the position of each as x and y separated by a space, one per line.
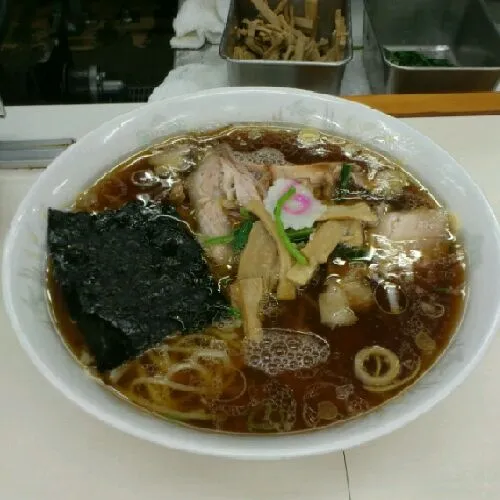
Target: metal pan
325 77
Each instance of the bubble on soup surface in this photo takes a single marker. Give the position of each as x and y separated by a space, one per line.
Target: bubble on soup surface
283 350
230 410
263 156
307 373
308 137
276 409
357 405
344 391
317 405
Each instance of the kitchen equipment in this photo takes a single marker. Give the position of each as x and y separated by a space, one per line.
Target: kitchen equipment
318 76
459 32
80 51
24 258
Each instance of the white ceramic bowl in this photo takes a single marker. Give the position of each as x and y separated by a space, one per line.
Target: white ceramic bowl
83 163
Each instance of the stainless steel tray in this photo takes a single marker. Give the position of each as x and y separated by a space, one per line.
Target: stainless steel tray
323 77
459 31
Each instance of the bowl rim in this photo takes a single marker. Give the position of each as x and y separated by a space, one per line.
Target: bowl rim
233 445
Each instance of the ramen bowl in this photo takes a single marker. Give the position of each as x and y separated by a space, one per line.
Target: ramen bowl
24 261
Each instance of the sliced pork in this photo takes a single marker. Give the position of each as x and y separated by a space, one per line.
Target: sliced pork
421 224
205 194
220 179
238 183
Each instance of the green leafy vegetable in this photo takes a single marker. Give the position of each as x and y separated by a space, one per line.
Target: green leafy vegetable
234 312
219 240
241 234
299 235
346 252
345 177
291 248
239 237
412 58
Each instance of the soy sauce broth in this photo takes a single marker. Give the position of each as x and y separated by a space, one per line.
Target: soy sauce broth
309 398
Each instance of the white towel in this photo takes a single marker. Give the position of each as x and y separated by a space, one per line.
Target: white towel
191 78
198 22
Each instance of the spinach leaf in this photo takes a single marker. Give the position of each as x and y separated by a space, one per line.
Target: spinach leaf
241 234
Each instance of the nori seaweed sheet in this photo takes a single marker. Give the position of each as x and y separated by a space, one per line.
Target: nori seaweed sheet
131 277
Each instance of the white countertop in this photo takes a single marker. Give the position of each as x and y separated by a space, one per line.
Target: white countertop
50 450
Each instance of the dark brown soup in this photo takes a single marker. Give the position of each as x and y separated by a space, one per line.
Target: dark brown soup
371 308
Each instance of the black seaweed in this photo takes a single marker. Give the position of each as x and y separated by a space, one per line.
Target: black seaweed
131 277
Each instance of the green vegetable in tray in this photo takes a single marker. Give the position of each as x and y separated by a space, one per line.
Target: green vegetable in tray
412 58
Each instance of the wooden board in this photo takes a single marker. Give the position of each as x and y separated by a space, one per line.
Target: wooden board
413 105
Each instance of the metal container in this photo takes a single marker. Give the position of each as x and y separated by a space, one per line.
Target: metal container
459 31
324 77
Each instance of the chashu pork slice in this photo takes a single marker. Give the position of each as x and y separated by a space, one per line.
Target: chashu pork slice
205 193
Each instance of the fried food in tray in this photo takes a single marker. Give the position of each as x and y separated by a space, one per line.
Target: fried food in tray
280 35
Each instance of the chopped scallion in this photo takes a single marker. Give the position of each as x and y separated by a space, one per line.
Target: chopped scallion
345 177
291 248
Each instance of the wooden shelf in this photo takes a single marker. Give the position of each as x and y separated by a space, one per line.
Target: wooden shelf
413 105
